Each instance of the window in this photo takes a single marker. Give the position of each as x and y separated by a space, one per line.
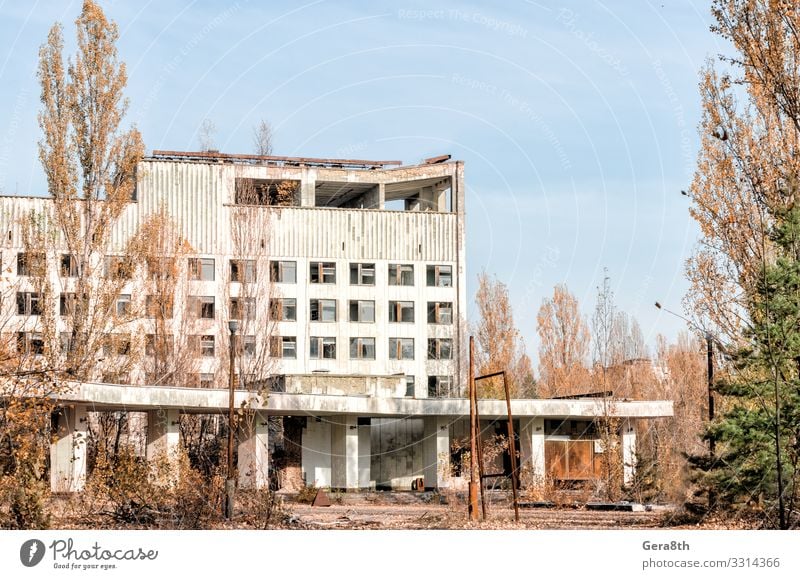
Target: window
116 344
116 378
440 349
323 310
283 271
202 307
362 311
200 380
159 307
201 268
283 347
440 312
401 348
243 308
118 267
29 303
123 304
161 267
66 304
401 274
362 348
322 348
362 274
206 346
31 263
249 345
69 265
410 386
322 272
30 343
283 309
67 342
161 343
441 387
401 312
243 270
439 275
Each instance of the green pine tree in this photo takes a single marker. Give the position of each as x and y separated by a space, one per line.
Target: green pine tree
757 434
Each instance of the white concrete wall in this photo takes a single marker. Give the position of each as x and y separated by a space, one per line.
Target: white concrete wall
531 439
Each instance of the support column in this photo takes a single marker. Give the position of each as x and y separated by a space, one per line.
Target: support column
364 456
68 452
436 451
253 462
344 452
163 437
532 463
628 435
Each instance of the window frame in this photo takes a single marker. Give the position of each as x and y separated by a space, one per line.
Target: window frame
435 315
323 271
362 345
397 276
197 268
317 305
357 271
436 347
323 344
396 309
278 309
278 269
435 273
397 348
242 270
358 310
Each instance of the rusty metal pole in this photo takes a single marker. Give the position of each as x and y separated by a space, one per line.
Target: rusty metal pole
473 433
512 449
230 482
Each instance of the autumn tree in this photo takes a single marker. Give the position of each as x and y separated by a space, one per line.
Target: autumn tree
498 343
744 198
564 345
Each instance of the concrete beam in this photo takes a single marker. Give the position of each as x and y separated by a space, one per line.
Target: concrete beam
253 461
68 450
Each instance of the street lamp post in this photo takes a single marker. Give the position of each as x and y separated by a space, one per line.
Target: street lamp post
230 482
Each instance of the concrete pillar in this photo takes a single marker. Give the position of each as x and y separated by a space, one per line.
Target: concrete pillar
315 452
163 437
531 438
68 451
628 435
364 456
253 461
308 188
436 451
344 452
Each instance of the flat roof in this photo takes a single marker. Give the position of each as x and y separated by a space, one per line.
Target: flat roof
207 156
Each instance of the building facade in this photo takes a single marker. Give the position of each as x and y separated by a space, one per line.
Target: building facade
346 283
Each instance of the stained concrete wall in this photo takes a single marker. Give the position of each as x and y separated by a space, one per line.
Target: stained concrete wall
397 452
316 453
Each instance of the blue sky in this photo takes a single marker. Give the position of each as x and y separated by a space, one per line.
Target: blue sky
577 121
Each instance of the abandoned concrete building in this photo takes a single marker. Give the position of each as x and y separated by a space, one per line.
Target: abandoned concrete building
347 281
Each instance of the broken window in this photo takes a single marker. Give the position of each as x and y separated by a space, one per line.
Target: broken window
401 348
202 307
116 344
401 312
440 312
30 263
266 192
440 349
439 275
201 268
161 343
118 267
410 386
30 343
441 387
323 310
362 348
29 303
283 347
322 348
362 274
283 271
123 304
243 270
283 309
160 267
158 306
69 265
322 272
362 311
401 274
249 345
243 308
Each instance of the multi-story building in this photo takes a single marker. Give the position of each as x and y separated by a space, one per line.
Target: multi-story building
346 281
